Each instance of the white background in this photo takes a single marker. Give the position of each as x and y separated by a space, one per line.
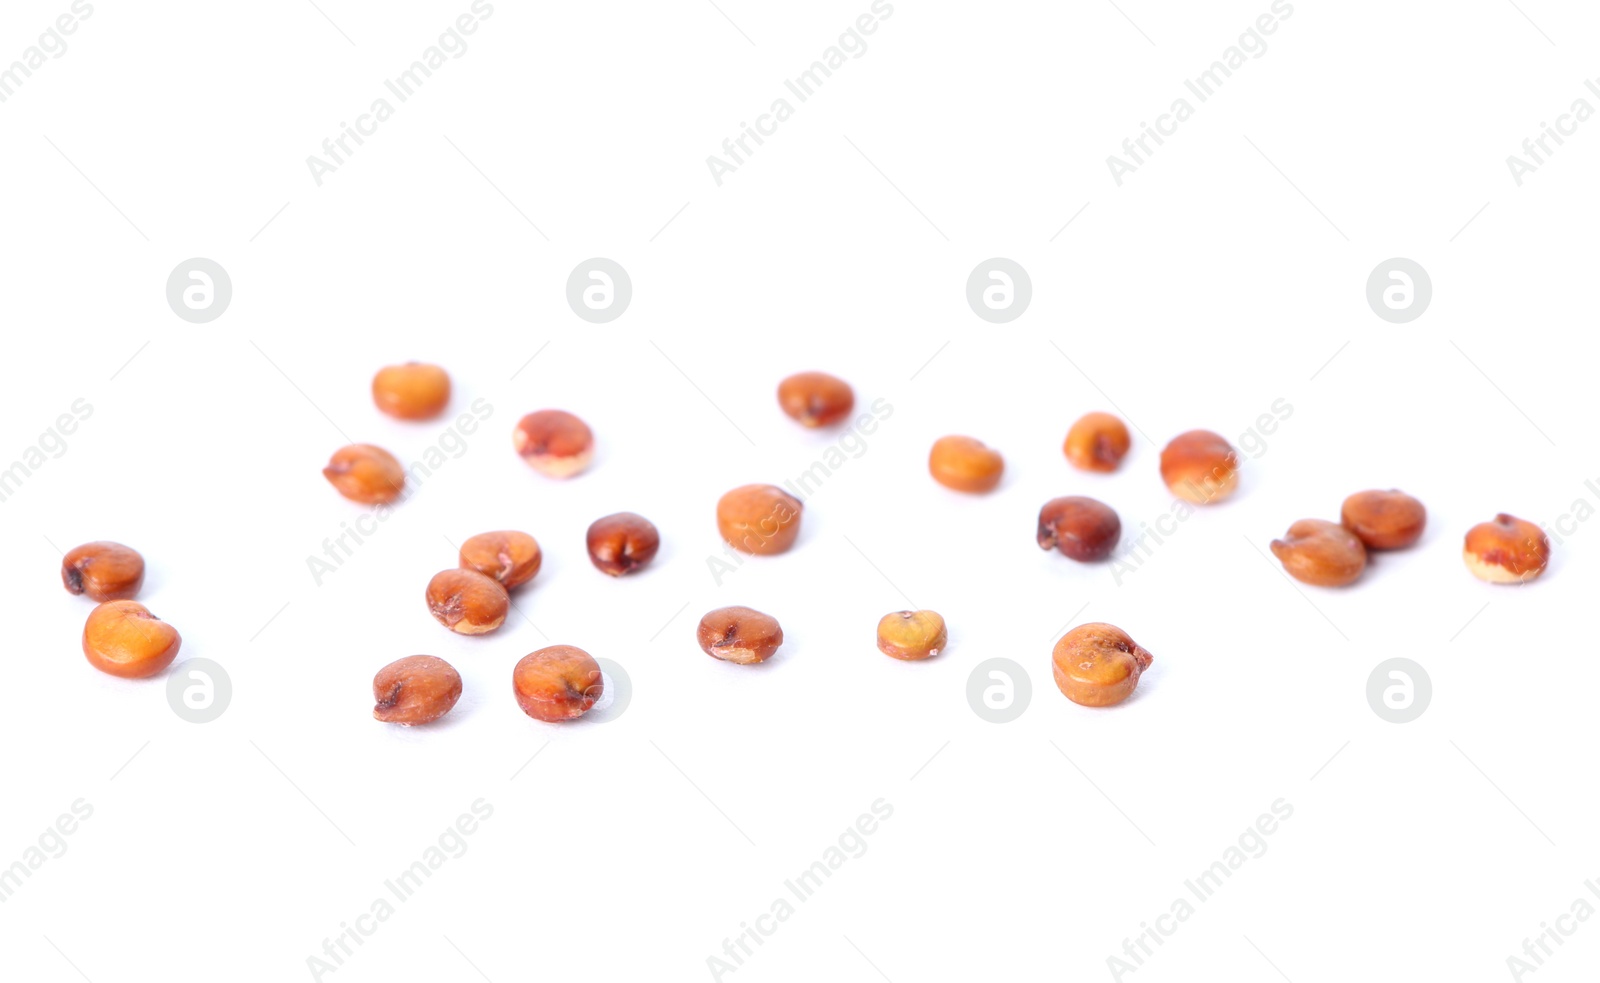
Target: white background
1220 277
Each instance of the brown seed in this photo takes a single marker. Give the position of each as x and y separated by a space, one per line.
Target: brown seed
1322 553
965 464
816 399
739 634
509 557
554 443
1097 442
1384 520
366 474
105 571
557 683
1508 550
415 690
759 519
1098 665
467 602
912 635
124 639
1200 467
413 391
1082 528
622 543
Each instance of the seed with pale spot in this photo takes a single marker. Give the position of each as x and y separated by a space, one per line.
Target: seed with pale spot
912 635
739 634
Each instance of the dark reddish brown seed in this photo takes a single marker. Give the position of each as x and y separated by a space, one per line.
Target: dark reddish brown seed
622 543
739 634
557 683
1079 527
415 690
105 571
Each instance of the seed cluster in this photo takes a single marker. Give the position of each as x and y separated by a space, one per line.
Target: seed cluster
121 637
1094 665
1334 554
